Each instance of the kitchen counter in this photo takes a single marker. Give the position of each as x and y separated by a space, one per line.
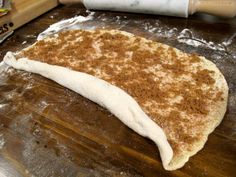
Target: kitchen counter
47 130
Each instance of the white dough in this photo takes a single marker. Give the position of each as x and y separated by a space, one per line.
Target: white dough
117 101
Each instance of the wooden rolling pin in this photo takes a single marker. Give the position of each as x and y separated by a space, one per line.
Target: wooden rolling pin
222 8
22 12
182 8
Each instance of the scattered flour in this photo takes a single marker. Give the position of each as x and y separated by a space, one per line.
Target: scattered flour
2 141
71 23
229 41
186 36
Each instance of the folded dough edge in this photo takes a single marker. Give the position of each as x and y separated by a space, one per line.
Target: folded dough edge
116 100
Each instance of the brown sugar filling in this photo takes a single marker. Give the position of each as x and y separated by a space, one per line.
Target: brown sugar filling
169 85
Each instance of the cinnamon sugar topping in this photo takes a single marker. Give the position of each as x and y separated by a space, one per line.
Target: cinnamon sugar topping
172 87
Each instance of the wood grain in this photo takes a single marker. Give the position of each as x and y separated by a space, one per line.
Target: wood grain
25 10
48 130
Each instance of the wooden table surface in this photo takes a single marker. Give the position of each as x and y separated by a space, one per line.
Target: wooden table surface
47 130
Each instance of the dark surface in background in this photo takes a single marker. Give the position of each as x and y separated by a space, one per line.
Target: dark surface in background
47 130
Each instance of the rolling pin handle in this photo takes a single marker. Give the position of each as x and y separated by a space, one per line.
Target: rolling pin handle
223 8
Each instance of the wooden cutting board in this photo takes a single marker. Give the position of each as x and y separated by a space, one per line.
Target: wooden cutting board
22 12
